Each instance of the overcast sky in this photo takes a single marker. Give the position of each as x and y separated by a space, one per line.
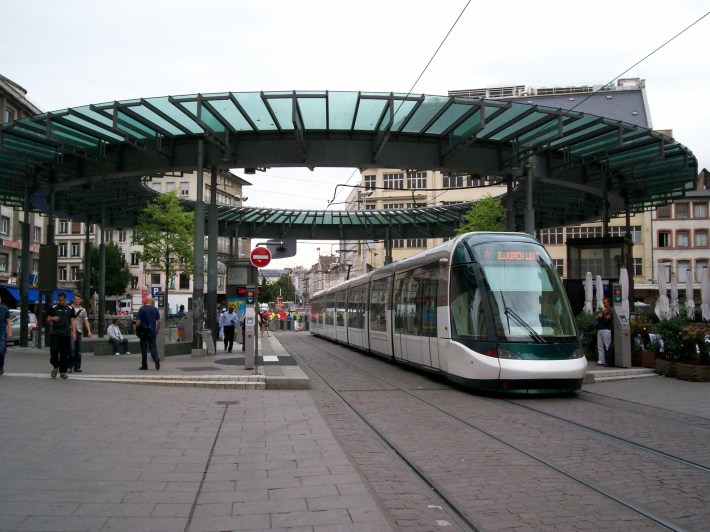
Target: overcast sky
78 52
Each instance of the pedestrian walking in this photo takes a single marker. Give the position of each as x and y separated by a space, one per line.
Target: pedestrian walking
5 333
83 328
61 317
228 322
603 324
148 326
116 338
264 323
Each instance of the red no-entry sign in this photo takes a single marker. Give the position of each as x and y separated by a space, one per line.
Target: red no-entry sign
260 257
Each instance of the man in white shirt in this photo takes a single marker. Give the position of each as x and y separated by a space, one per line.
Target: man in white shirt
82 329
116 339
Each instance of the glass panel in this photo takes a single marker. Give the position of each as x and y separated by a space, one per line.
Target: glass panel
210 121
313 112
402 108
427 111
468 127
255 108
283 109
230 114
134 128
518 125
105 132
450 116
73 136
341 108
165 106
369 113
158 120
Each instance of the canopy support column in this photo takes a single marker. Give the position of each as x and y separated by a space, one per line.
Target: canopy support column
212 220
509 205
198 281
388 246
529 210
102 275
25 266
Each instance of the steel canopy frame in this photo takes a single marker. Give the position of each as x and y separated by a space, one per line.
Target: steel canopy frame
96 158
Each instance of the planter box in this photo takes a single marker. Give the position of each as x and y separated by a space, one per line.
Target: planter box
683 371
648 359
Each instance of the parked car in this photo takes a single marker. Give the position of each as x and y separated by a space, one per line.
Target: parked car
31 326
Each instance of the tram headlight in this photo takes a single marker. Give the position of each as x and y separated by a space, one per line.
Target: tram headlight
577 353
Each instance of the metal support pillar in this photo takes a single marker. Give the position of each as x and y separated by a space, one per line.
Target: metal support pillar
86 281
212 237
529 211
25 267
44 305
102 275
388 247
509 205
198 281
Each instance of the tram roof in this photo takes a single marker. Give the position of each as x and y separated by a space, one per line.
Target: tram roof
97 157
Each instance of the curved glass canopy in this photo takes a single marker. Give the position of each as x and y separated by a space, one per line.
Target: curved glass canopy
94 157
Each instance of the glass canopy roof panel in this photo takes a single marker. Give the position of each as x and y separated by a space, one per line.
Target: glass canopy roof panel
313 111
254 106
230 114
425 113
283 110
164 105
133 127
594 145
74 137
520 125
582 134
341 109
501 119
105 133
445 121
368 113
30 148
468 127
209 119
150 116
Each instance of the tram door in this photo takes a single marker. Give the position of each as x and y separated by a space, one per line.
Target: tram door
415 317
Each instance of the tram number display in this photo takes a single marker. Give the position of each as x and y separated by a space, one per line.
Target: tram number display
508 255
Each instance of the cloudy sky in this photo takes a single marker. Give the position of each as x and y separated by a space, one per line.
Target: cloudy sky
78 52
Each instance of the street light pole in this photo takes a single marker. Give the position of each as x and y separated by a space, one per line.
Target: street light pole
361 203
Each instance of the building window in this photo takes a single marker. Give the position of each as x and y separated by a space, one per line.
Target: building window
123 258
35 266
134 259
4 225
665 271
683 266
416 179
154 278
76 228
397 243
62 273
169 187
553 236
664 239
9 114
75 273
393 206
663 211
370 182
156 186
701 238
454 181
592 231
682 211
63 227
184 281
75 251
700 210
559 266
682 239
62 249
3 262
134 282
637 267
121 234
38 234
184 189
108 235
634 231
416 243
394 181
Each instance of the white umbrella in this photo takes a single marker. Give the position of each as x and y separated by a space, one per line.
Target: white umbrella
705 294
662 304
588 294
624 282
689 301
600 293
673 306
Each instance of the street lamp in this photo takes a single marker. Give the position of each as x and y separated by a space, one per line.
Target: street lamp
361 202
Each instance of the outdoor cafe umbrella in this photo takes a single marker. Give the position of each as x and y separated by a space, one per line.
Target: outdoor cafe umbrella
588 294
600 293
662 303
705 294
674 311
624 282
689 301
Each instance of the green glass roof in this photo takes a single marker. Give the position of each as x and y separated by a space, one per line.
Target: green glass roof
95 155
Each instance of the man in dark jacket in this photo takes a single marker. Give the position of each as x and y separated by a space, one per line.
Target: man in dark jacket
61 317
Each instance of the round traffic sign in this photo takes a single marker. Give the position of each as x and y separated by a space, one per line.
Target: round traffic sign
279 298
260 257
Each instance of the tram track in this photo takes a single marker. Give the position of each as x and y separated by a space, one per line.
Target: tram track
345 391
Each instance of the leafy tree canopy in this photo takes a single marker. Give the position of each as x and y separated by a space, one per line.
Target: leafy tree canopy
118 276
488 214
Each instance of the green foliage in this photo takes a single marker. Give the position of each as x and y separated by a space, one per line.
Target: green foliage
165 230
586 327
672 333
488 214
283 286
118 276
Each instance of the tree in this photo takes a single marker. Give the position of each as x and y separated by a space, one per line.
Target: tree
284 287
488 214
118 276
165 230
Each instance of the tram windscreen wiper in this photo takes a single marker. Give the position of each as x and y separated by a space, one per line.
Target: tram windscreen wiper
533 334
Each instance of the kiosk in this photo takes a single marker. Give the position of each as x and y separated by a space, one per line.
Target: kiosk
621 332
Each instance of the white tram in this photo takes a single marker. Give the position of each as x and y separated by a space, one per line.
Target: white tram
487 310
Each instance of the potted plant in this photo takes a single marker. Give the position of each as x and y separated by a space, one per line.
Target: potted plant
648 354
640 327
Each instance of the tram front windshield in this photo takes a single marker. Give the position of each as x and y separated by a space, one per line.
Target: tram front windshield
520 286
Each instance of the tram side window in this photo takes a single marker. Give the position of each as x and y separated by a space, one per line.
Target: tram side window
340 312
329 304
405 318
356 308
378 306
415 304
467 311
426 306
